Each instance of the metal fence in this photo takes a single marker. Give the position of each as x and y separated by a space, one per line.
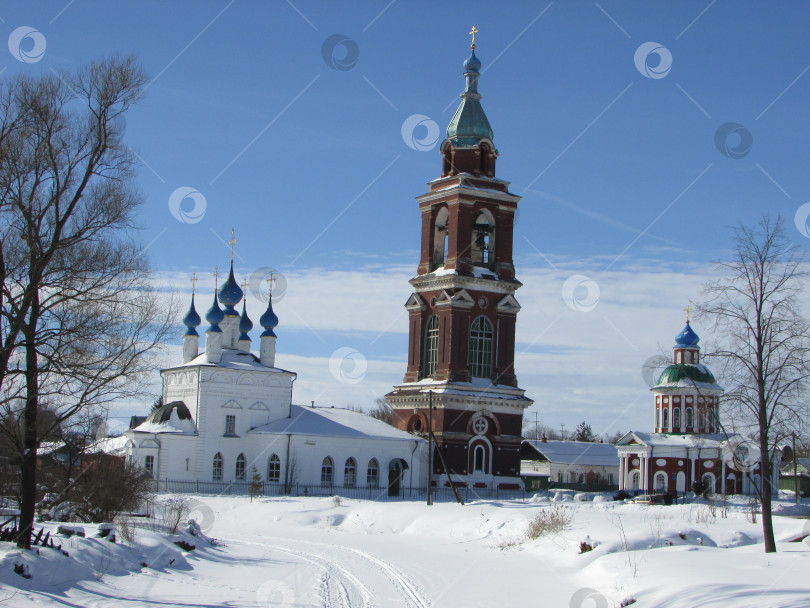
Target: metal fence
440 494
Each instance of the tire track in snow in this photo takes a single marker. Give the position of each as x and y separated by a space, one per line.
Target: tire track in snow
401 583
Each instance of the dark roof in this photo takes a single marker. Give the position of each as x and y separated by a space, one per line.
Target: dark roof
164 412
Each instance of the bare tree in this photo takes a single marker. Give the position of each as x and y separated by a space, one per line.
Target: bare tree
537 431
763 343
78 320
382 410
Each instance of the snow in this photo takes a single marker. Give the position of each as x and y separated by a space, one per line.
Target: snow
578 452
233 359
324 552
173 425
332 422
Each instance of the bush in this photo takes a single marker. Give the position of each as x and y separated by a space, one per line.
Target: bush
549 521
108 487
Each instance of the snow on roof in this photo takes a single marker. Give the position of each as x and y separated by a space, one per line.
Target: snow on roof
108 445
233 358
577 452
49 447
706 440
333 422
174 425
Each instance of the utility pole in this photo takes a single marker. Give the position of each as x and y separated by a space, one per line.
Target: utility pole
795 470
430 449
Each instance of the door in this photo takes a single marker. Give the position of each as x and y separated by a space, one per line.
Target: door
394 477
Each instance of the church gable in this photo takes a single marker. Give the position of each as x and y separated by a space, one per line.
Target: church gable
232 405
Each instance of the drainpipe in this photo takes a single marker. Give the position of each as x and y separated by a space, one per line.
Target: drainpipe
287 466
413 451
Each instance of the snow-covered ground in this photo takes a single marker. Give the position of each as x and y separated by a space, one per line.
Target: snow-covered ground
314 552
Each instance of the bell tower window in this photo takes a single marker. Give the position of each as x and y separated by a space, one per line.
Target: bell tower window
431 346
481 348
440 238
483 239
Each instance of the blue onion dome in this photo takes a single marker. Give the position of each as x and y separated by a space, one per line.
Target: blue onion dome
214 316
245 324
230 294
687 337
269 320
192 320
472 64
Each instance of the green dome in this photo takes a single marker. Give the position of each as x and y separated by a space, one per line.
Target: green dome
684 371
469 125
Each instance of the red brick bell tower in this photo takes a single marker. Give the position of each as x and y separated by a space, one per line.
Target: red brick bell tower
461 343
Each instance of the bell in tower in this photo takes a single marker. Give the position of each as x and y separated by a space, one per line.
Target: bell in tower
462 313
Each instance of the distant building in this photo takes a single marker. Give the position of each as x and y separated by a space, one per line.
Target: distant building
688 444
795 476
578 465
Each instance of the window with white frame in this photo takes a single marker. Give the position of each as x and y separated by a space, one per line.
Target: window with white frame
350 473
230 425
149 465
660 482
373 474
431 346
327 468
217 468
480 358
273 469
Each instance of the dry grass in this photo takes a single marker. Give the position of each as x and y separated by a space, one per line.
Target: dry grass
549 521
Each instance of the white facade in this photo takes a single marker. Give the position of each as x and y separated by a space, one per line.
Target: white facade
228 411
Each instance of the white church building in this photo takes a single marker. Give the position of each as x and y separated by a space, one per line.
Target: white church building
229 412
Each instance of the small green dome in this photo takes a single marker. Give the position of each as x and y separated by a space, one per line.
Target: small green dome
684 371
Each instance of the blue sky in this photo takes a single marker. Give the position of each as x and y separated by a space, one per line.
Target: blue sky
621 176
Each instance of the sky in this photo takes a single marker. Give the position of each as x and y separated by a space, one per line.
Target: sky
637 135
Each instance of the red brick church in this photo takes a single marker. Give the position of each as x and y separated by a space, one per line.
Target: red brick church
462 313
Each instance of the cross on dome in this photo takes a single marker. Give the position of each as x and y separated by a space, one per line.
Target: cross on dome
473 31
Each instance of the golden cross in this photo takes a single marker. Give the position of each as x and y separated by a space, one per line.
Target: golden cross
244 285
270 281
232 242
216 277
687 310
194 280
473 31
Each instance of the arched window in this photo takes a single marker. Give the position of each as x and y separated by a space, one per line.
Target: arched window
482 240
666 418
676 418
689 417
217 471
327 466
373 475
431 346
479 458
240 467
660 482
440 238
708 479
350 473
657 418
273 469
635 480
481 348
